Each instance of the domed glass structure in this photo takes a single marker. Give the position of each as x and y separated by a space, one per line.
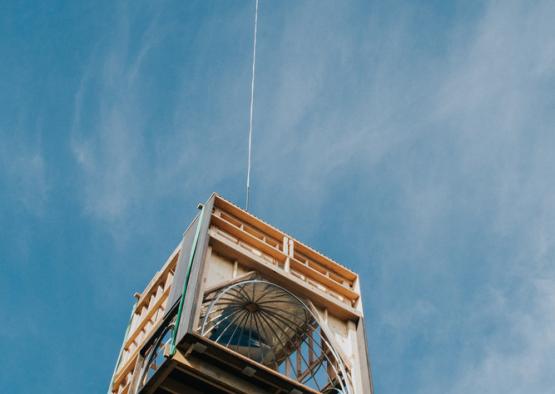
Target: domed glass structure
272 326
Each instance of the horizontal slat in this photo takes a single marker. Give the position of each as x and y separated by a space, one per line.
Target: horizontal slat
260 225
323 279
222 245
130 363
160 275
226 206
311 254
297 265
127 367
148 316
248 238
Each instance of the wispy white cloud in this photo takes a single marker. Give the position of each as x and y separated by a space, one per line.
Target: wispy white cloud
125 159
108 144
23 169
465 136
521 360
445 155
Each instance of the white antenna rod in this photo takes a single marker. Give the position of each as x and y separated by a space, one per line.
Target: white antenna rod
252 106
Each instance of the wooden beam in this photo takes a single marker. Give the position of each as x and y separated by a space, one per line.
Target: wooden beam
168 265
277 234
224 380
246 217
248 276
133 335
325 261
325 280
176 387
251 260
248 238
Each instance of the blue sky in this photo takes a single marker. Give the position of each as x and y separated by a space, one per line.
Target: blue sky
412 141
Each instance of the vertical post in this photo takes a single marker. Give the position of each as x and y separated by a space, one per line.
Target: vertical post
286 252
235 268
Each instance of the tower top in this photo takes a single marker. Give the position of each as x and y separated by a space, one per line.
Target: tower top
242 307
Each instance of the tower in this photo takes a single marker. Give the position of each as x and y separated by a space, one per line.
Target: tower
241 307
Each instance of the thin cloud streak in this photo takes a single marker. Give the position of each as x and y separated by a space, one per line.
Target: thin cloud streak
482 119
108 145
444 155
